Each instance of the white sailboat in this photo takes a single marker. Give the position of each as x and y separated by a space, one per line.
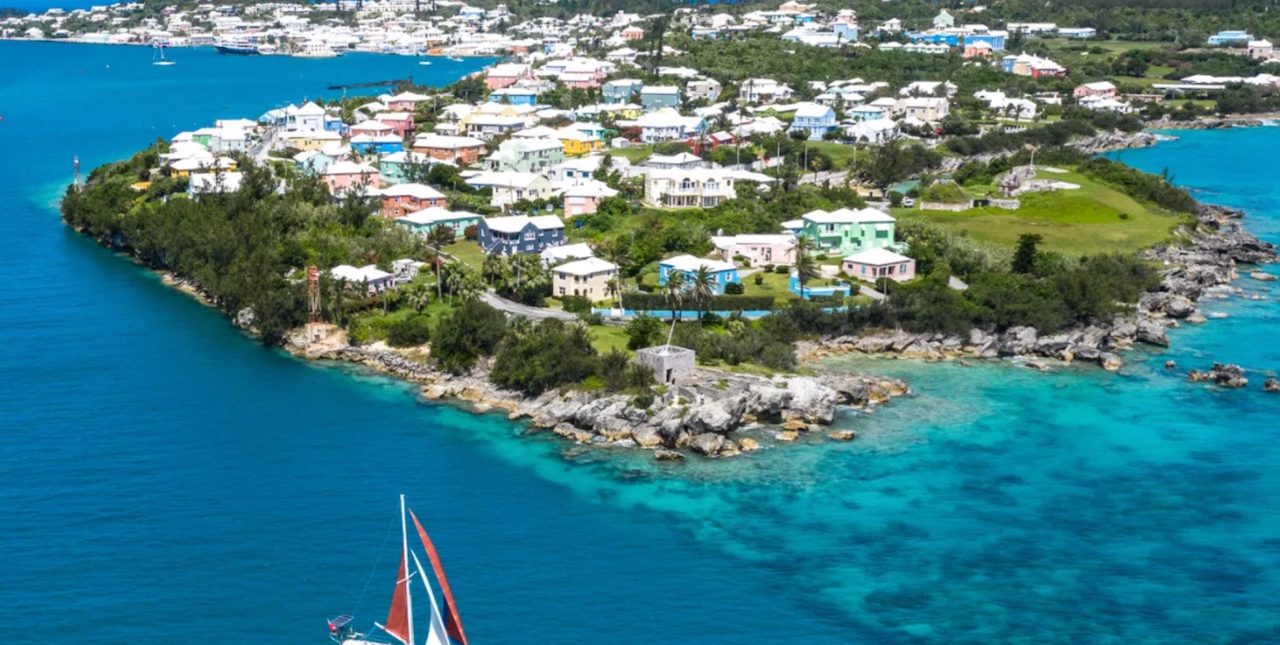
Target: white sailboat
159 58
442 629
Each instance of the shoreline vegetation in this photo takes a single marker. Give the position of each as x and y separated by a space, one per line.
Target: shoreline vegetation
1024 243
720 413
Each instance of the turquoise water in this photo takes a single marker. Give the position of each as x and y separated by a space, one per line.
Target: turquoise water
163 477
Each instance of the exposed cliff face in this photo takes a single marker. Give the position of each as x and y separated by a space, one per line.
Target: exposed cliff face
1205 264
702 412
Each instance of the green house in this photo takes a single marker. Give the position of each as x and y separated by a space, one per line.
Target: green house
845 231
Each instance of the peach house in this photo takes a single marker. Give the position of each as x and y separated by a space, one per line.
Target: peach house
873 264
632 33
758 250
402 199
459 150
373 128
507 74
348 176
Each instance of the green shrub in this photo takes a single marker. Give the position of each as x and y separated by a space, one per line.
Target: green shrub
576 304
409 331
472 330
733 289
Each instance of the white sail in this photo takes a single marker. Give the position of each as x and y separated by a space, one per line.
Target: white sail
435 633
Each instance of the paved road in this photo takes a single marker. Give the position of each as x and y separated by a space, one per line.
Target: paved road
525 311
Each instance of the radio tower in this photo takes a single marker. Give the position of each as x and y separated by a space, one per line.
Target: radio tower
314 329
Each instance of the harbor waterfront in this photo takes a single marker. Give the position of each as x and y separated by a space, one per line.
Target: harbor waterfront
999 504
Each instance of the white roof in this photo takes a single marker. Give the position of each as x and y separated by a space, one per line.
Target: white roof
349 168
352 274
416 191
586 266
553 254
725 241
689 263
846 216
516 223
877 257
812 110
446 142
436 215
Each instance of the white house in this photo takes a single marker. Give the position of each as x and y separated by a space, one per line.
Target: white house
588 277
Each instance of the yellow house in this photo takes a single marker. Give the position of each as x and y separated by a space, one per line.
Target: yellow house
184 167
578 143
312 140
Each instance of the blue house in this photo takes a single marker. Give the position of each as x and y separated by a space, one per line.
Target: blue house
722 273
657 97
815 119
378 144
520 234
865 113
847 31
995 39
949 39
621 90
514 96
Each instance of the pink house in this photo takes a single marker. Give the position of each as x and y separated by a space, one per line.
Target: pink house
507 74
758 250
873 264
347 176
1101 89
632 33
405 101
401 122
584 199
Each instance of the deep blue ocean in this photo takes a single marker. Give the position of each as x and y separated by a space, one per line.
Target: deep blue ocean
162 477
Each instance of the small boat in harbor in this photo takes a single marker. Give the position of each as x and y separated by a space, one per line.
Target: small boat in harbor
443 629
236 47
159 58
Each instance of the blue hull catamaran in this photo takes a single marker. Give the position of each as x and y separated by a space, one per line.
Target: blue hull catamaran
444 629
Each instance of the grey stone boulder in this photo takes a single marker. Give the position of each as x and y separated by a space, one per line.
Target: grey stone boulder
1152 332
707 443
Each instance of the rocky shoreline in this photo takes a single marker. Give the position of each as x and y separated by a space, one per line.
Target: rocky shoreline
1204 265
708 412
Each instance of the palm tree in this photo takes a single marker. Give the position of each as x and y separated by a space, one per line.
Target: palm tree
675 296
438 238
417 294
702 287
616 252
805 266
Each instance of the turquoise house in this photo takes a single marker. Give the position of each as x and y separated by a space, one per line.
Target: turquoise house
722 273
514 96
427 220
394 168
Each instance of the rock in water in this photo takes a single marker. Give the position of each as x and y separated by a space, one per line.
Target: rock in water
842 435
1170 365
1262 276
1228 375
708 443
1110 362
667 455
1272 384
747 444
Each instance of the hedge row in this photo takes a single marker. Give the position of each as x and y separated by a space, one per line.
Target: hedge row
659 302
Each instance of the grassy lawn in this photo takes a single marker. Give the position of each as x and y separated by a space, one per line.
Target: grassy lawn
1074 222
606 338
842 155
467 251
634 154
775 285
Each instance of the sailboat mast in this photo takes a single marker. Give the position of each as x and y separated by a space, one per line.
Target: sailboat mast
404 545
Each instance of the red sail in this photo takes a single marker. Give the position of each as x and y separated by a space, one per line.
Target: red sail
397 624
452 623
